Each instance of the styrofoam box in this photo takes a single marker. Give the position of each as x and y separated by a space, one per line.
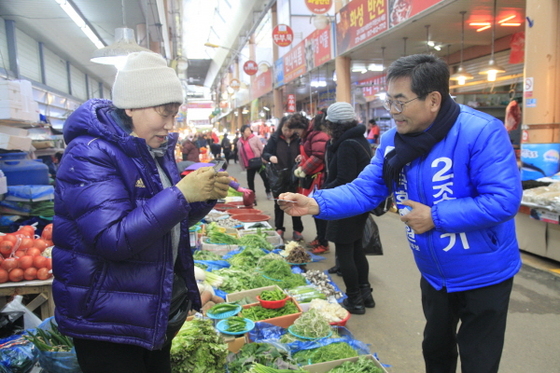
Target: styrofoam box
12 110
10 90
325 367
9 142
272 237
14 131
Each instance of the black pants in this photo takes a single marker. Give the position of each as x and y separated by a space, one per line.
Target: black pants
321 228
353 264
297 225
251 179
480 338
107 357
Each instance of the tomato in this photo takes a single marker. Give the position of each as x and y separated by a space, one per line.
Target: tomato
49 263
4 277
10 264
25 262
47 232
30 274
39 261
34 251
40 244
16 275
43 274
6 248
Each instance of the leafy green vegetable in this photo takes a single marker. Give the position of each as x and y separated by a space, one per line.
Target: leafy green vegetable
247 258
256 240
262 353
235 279
206 255
363 365
258 368
258 312
330 352
275 294
197 348
311 324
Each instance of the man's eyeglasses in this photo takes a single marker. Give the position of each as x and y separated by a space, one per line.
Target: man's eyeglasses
398 105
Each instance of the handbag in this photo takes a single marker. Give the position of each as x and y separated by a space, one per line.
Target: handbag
255 163
383 207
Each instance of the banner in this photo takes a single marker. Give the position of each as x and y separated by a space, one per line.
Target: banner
262 84
318 48
401 10
359 21
376 85
294 63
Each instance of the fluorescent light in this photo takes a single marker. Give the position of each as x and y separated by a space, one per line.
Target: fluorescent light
80 22
506 19
318 83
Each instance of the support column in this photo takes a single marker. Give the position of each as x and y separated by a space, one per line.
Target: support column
542 59
343 79
278 106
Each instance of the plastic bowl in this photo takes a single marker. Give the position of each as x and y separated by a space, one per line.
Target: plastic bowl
343 321
223 325
251 218
224 315
243 210
273 304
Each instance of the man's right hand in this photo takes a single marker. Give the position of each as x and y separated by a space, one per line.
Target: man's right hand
302 205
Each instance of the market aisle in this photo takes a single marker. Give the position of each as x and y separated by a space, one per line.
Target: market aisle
394 327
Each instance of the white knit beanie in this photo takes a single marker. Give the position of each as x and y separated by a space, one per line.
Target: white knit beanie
146 81
340 112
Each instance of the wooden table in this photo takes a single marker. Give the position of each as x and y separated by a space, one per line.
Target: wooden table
43 289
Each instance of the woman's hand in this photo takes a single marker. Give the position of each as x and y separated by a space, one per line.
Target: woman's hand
298 172
221 185
298 158
295 204
273 159
198 185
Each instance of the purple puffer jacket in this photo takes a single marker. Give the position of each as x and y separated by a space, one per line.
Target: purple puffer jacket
113 260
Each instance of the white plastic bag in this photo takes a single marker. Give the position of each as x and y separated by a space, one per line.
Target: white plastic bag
30 320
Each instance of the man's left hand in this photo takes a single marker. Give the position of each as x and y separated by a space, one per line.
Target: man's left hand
419 219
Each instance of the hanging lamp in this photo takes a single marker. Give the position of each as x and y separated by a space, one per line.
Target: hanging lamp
492 69
461 75
116 53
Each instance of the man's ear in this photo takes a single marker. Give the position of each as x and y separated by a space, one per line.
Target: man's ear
435 101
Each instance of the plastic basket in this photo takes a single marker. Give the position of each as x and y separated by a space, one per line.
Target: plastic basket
224 315
272 304
223 325
343 321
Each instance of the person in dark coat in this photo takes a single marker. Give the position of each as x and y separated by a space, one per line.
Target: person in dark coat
190 151
234 150
347 154
281 150
226 147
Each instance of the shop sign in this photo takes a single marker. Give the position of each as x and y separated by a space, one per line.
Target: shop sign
294 63
200 105
279 69
401 10
262 84
318 6
374 86
235 84
528 87
318 48
359 21
250 67
291 104
546 216
282 35
539 160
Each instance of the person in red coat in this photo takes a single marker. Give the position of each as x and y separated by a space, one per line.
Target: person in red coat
190 151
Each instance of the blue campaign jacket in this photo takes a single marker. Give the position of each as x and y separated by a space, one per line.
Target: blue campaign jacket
113 258
471 182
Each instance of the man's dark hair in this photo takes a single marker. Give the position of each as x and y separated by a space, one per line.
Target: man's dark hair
335 130
426 72
372 122
298 121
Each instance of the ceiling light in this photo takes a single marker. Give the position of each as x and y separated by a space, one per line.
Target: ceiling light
511 24
484 28
375 67
80 22
437 48
124 44
266 108
491 70
461 75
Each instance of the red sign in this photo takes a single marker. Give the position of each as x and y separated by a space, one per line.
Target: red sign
359 21
320 43
250 67
291 107
262 84
318 6
294 63
374 86
401 10
282 35
200 105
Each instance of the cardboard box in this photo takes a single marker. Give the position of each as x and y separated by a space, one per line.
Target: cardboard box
9 142
235 344
281 321
14 131
250 294
325 367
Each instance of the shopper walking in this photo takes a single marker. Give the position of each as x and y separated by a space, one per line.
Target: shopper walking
226 147
234 150
311 166
123 268
250 146
281 151
455 180
348 152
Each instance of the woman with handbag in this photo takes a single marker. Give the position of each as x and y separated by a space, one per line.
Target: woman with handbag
281 151
347 155
250 150
309 170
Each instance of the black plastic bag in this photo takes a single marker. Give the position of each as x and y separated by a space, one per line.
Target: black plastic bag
383 207
371 239
280 180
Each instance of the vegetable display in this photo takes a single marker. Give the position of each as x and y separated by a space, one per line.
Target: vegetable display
220 309
197 348
311 325
50 340
247 258
298 256
206 255
235 279
275 294
236 324
258 312
329 352
258 368
278 272
362 365
322 282
262 353
256 240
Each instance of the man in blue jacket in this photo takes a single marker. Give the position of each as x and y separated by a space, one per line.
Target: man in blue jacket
454 177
